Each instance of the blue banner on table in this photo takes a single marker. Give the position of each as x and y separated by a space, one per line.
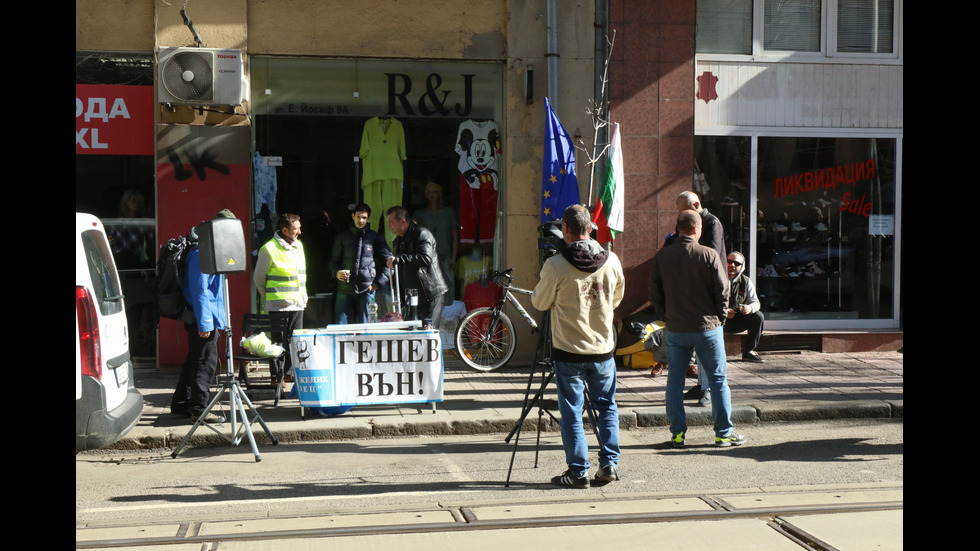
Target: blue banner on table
337 369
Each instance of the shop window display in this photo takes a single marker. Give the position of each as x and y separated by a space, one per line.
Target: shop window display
116 180
823 221
424 135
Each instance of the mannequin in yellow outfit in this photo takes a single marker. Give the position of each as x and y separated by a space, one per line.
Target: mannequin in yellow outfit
382 152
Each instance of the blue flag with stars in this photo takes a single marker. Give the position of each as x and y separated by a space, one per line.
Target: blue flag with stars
559 185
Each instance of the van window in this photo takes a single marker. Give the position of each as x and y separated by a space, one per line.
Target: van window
105 281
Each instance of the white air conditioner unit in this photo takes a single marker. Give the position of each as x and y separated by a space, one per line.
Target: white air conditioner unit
200 76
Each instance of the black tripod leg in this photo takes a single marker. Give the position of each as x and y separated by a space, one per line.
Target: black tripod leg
516 431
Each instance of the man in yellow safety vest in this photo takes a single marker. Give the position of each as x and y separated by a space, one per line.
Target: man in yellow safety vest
280 271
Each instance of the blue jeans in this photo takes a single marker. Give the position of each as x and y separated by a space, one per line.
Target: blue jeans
710 348
600 379
352 308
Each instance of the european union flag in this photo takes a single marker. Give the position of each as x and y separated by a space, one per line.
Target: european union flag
559 185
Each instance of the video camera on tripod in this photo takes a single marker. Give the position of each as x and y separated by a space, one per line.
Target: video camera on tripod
551 240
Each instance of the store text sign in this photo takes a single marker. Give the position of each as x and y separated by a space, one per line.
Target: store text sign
113 120
433 100
367 368
827 179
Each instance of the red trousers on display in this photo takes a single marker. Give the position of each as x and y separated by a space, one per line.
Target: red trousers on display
477 208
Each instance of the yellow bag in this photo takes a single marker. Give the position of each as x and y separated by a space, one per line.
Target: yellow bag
642 359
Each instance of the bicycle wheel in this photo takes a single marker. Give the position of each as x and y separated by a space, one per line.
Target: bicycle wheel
485 339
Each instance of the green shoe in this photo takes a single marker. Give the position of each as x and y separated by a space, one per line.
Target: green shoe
731 440
677 440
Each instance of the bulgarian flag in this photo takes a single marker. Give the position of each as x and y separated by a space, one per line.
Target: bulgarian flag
609 207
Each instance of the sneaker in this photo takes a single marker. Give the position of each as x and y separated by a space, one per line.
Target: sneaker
606 475
677 440
731 440
705 400
209 418
752 356
568 480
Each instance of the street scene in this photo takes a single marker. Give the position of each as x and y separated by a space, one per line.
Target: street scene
614 274
823 460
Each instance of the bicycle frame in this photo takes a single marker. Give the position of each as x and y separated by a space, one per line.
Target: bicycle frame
504 279
517 305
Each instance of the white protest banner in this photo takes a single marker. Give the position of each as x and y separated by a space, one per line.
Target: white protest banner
365 368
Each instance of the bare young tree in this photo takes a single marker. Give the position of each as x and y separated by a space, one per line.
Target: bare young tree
598 109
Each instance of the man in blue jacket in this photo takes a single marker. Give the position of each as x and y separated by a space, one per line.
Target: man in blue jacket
358 261
205 294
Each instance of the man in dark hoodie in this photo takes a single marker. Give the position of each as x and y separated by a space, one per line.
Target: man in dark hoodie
357 260
581 287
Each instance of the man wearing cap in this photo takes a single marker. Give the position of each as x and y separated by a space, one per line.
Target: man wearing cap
205 294
280 271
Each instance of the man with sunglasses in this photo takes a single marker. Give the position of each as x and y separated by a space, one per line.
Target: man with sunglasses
743 307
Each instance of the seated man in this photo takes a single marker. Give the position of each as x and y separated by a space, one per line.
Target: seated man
743 307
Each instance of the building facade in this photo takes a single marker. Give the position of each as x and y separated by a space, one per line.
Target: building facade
319 77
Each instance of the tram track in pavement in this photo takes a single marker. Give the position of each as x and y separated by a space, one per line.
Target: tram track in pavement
782 513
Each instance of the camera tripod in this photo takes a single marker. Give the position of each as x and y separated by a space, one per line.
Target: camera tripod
542 360
237 399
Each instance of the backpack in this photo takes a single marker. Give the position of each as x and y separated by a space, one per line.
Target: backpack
171 266
640 342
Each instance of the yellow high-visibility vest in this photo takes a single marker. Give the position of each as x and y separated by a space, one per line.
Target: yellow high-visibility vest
286 279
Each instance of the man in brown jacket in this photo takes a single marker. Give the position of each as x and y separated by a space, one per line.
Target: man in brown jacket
689 289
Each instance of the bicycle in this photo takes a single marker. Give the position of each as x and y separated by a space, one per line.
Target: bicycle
485 338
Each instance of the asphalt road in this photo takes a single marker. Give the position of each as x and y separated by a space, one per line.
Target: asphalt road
148 487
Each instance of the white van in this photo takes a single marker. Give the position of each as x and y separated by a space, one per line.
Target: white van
107 404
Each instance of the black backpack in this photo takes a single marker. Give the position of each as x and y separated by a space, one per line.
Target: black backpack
170 300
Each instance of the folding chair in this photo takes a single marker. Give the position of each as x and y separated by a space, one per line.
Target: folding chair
278 326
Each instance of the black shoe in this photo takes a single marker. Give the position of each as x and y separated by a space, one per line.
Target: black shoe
731 440
694 394
568 480
180 413
752 356
677 440
605 475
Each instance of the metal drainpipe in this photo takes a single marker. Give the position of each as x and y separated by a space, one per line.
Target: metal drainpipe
552 54
601 34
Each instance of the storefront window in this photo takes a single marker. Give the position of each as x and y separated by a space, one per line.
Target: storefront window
114 173
823 225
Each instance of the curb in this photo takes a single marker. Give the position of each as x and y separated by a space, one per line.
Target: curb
656 416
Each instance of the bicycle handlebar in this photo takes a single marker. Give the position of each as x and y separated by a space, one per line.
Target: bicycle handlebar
504 276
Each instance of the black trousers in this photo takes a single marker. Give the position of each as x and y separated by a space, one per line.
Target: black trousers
432 310
752 323
193 387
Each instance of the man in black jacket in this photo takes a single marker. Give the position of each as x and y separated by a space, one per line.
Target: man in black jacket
357 260
415 251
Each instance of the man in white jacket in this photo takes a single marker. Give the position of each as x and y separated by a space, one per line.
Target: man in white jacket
581 287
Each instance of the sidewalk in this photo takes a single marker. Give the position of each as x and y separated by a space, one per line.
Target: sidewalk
788 386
